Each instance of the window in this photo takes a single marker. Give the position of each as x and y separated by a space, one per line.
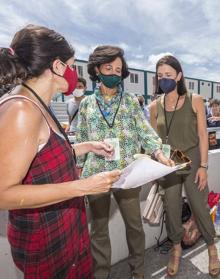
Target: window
154 84
80 70
133 78
218 88
154 81
191 85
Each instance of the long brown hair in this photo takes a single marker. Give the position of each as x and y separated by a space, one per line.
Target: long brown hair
33 50
175 64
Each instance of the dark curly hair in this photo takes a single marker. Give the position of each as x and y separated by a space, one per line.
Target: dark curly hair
34 50
106 54
175 64
82 80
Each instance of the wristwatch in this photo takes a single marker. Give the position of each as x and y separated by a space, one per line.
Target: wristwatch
204 165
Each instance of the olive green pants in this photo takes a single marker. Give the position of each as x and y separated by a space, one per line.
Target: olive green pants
172 185
129 205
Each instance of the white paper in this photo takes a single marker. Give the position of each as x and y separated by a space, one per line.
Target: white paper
142 171
115 143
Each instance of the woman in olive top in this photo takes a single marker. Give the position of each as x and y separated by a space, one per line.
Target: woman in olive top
179 119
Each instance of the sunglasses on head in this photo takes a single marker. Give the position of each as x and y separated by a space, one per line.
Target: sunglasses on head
181 158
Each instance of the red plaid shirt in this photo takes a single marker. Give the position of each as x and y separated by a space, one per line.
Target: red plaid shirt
51 242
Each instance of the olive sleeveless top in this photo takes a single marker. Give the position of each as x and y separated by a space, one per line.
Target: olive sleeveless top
183 133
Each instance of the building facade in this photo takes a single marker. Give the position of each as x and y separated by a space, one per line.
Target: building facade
142 82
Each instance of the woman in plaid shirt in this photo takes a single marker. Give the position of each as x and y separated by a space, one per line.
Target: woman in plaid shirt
47 227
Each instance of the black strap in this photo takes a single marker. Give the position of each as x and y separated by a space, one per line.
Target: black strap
171 120
52 116
74 115
110 125
161 230
165 245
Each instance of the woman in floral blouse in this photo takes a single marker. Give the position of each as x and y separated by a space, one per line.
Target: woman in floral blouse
114 116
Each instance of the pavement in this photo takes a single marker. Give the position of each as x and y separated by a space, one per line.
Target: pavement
194 263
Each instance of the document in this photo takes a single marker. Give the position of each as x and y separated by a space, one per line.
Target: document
142 171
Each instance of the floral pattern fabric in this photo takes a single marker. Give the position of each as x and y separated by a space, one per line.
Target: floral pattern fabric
130 127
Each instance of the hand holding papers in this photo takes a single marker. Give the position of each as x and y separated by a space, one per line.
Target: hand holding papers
142 171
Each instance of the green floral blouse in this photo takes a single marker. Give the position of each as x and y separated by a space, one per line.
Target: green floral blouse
130 127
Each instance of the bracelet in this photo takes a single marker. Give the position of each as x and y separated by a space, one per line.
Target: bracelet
203 167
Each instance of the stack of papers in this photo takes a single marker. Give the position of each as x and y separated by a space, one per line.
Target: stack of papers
142 171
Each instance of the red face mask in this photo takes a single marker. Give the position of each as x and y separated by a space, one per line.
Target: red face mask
70 75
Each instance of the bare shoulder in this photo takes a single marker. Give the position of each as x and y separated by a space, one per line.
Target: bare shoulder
20 126
153 104
197 103
20 115
197 98
153 107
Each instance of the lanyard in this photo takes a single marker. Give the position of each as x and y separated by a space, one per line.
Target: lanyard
110 125
52 116
171 120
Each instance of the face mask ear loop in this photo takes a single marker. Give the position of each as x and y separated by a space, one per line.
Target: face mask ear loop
52 70
55 72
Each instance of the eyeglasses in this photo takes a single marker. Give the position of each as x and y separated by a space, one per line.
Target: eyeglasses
73 66
180 157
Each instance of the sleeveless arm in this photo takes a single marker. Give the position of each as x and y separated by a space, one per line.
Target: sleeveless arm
20 125
199 108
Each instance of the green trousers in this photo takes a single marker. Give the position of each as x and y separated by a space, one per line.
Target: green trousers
172 185
129 205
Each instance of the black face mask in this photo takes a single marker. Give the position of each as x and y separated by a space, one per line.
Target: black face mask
167 85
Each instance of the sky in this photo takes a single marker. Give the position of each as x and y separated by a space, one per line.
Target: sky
145 29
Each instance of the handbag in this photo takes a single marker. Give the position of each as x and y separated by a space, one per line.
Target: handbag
153 210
